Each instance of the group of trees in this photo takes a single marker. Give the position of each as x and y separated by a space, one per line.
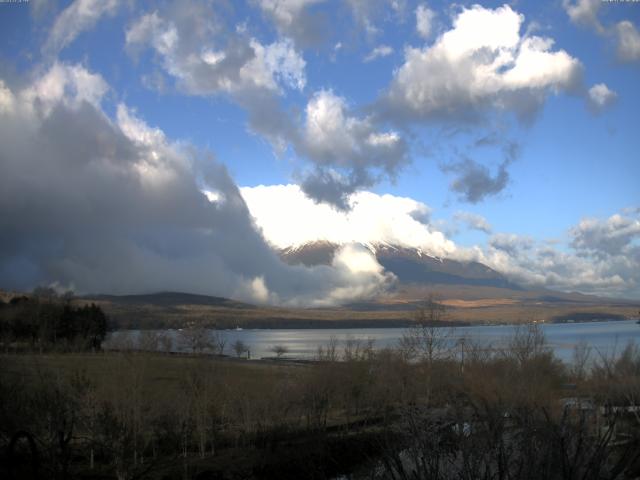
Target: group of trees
503 416
46 320
195 340
519 413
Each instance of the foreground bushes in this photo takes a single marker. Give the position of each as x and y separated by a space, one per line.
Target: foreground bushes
426 413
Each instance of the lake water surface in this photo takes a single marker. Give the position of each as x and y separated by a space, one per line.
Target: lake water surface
603 337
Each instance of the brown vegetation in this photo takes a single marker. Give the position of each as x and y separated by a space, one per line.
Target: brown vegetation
381 314
467 305
430 409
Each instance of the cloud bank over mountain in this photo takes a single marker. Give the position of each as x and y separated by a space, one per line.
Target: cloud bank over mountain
113 206
600 256
287 217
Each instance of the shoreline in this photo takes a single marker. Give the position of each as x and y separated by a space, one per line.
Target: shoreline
365 324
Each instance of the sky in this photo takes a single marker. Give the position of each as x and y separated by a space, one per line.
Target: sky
176 145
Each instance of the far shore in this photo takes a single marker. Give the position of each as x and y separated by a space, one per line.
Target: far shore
306 324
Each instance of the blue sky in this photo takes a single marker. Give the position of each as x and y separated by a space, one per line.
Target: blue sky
522 114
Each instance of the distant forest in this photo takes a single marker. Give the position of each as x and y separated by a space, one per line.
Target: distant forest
47 321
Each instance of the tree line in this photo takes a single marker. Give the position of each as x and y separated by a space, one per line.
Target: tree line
46 321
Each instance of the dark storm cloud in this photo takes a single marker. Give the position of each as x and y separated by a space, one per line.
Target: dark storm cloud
474 182
113 207
327 186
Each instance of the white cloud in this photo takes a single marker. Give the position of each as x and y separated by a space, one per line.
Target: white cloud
332 136
276 63
550 268
510 243
379 52
292 19
286 12
482 62
424 20
6 99
613 236
473 221
600 97
370 15
255 290
150 28
364 12
41 8
79 16
368 278
585 13
206 62
357 259
603 258
287 217
69 84
627 37
348 152
628 41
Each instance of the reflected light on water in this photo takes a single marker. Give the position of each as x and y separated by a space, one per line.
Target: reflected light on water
603 337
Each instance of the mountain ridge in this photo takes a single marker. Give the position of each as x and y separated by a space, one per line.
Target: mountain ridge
409 265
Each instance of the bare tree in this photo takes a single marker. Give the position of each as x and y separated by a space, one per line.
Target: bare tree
202 398
148 341
356 349
427 339
218 342
280 350
195 339
527 342
239 347
329 352
580 361
165 340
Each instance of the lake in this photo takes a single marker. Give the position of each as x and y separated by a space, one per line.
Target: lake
604 337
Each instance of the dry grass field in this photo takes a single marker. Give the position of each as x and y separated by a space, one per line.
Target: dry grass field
496 307
163 375
464 304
